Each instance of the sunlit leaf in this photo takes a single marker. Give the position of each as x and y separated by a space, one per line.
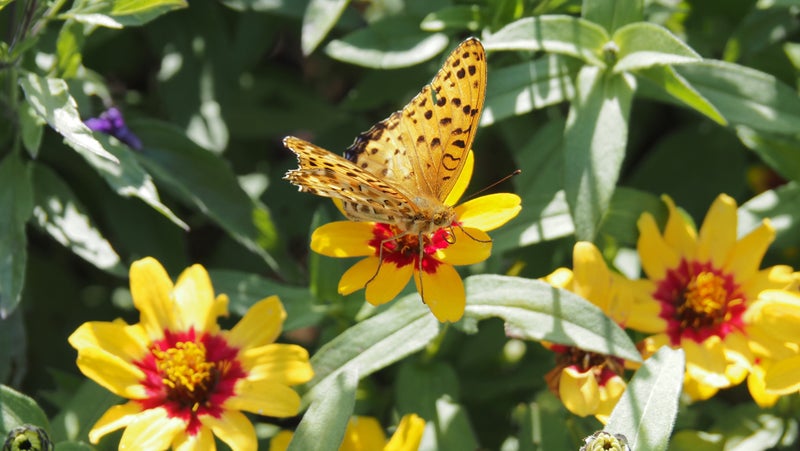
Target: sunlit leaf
535 310
646 413
121 13
325 421
318 20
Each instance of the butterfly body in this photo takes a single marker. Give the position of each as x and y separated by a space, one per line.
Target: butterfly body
402 170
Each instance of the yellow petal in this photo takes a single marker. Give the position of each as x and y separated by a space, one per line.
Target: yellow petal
579 391
610 392
745 257
718 232
126 342
656 255
194 300
698 391
116 417
343 239
777 312
774 277
408 435
115 374
757 387
645 311
388 283
462 182
469 246
363 434
202 440
151 290
280 441
592 277
278 363
383 281
152 430
706 362
488 212
260 325
234 429
264 398
783 377
561 278
443 292
679 234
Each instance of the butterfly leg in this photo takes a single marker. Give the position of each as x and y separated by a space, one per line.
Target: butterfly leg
380 256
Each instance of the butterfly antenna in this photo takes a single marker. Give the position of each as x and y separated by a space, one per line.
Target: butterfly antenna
516 172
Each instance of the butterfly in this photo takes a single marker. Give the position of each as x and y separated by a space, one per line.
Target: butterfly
401 171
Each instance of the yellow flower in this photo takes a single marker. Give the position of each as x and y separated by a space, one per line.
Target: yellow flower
366 434
187 380
698 291
586 382
393 255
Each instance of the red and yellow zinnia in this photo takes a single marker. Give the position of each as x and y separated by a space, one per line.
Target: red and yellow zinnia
393 256
186 379
699 289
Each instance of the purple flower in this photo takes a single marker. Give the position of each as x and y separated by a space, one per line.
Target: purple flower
111 123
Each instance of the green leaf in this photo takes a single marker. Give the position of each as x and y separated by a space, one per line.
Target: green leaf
121 13
566 35
612 14
759 29
521 88
780 152
73 446
245 289
535 310
458 17
87 404
318 20
665 78
627 205
595 138
781 206
61 215
419 385
16 203
68 49
453 431
745 96
289 8
324 272
13 348
16 409
114 161
324 423
646 413
50 98
30 125
545 214
204 180
403 329
391 43
643 45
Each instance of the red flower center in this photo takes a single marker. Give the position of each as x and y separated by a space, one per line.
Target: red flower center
393 245
602 366
699 301
190 375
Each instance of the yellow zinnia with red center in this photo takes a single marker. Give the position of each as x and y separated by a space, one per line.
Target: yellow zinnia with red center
698 290
186 379
589 383
394 255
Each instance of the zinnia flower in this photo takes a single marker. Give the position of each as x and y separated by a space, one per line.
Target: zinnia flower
366 434
187 380
112 123
393 255
698 291
586 382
